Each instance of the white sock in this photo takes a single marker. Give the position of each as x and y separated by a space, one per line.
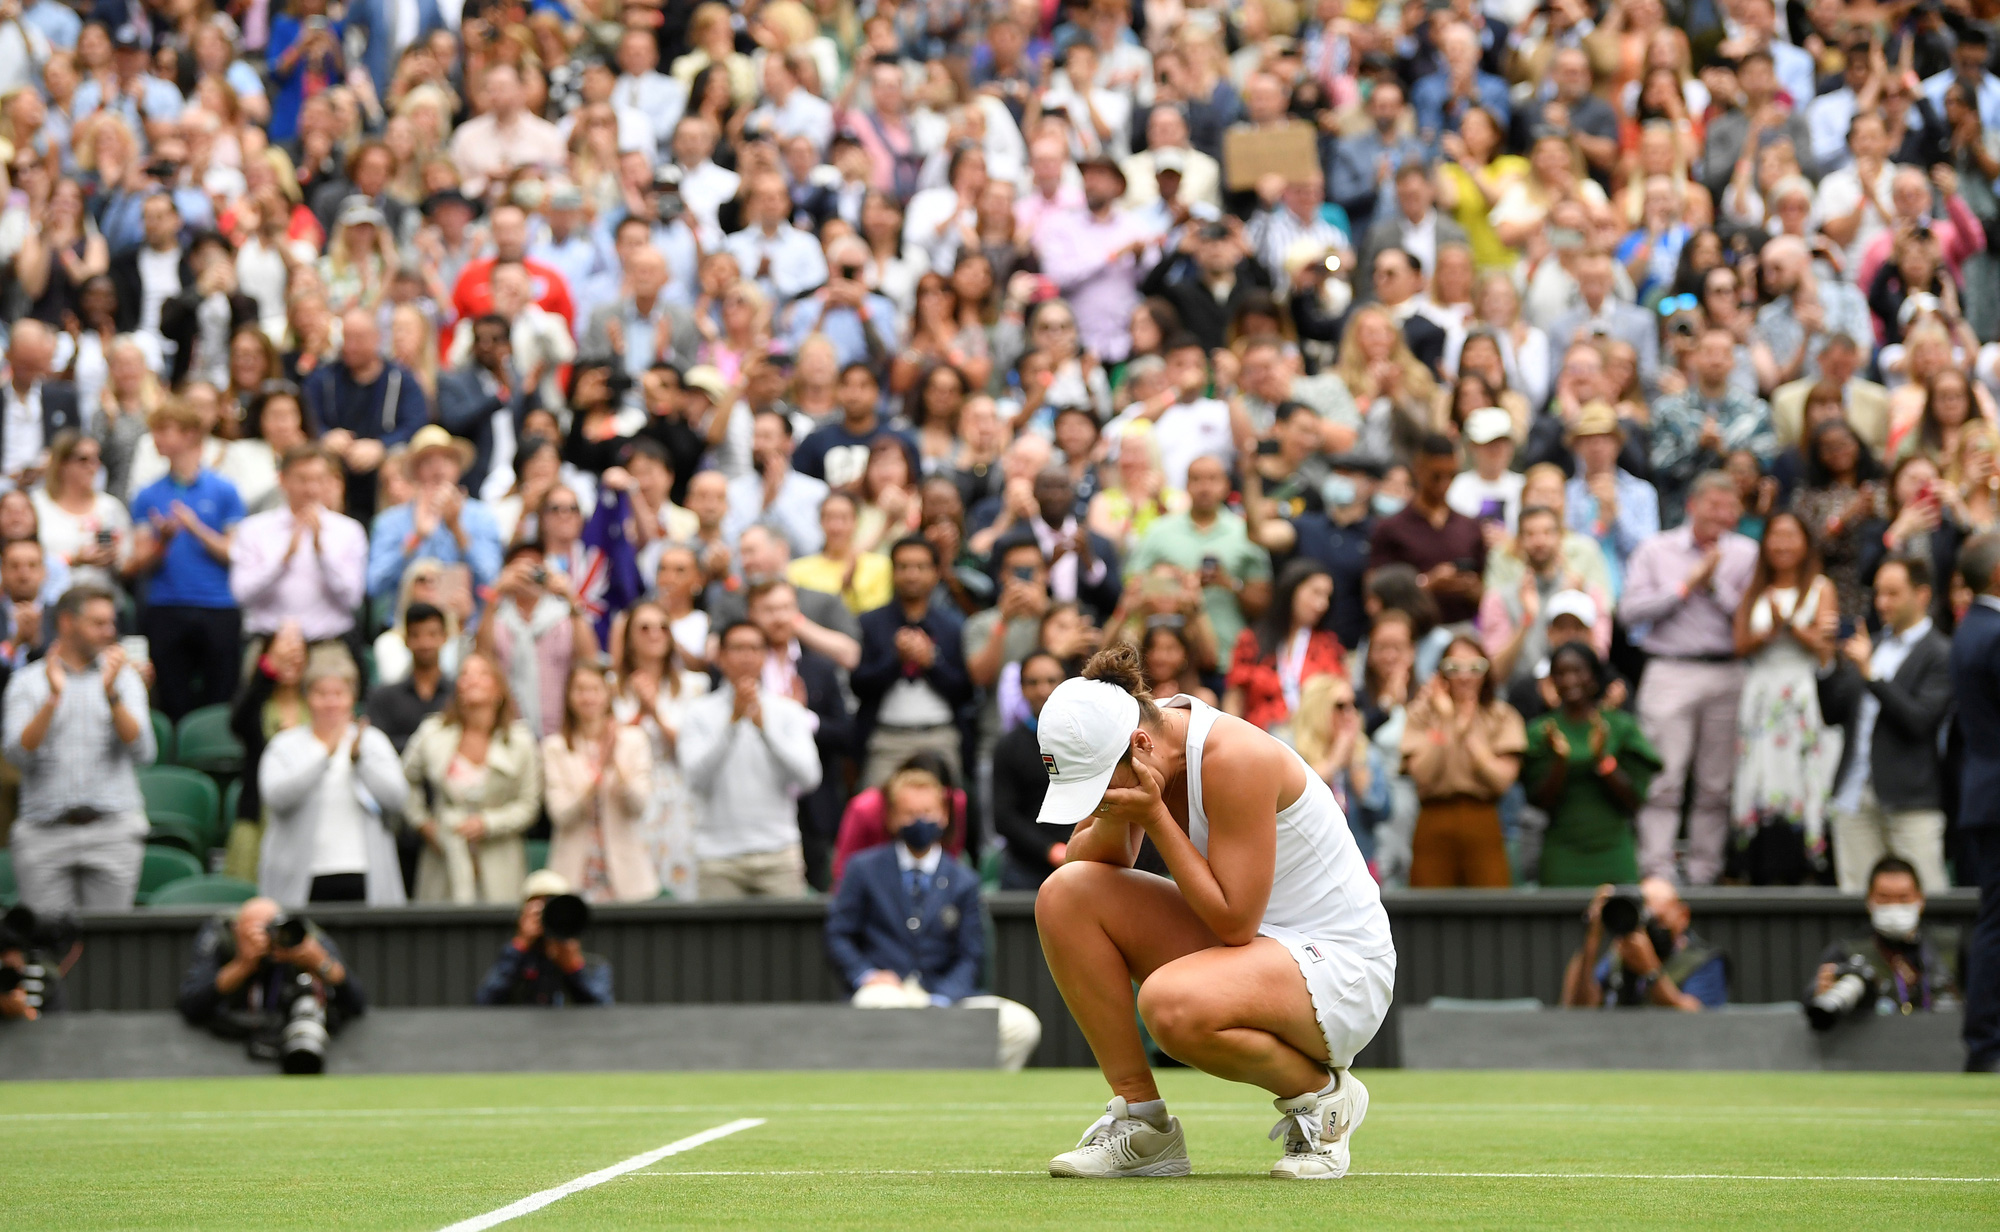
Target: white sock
1153 1112
1332 1086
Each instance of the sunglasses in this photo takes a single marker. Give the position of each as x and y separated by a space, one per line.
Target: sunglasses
1679 303
1464 667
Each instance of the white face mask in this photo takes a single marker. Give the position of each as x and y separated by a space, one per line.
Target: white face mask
1897 920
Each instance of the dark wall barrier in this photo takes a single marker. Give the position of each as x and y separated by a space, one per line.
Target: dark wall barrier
1463 943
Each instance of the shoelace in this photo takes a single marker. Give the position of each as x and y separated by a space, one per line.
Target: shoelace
1301 1125
1100 1129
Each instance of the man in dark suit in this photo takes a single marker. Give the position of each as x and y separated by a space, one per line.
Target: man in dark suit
1975 678
1398 282
157 264
1207 281
35 408
366 175
905 929
209 278
912 683
1093 582
486 386
814 682
1892 695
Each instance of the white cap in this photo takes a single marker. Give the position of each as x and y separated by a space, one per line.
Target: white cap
544 883
1572 603
1085 728
1488 424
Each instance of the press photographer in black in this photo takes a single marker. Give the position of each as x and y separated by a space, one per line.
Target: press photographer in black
1654 957
545 964
1899 967
272 980
34 955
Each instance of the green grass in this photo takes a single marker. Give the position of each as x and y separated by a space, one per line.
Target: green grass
965 1150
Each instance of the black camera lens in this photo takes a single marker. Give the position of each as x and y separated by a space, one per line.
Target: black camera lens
286 932
1620 915
564 917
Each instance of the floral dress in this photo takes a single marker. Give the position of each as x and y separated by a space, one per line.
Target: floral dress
671 817
1786 754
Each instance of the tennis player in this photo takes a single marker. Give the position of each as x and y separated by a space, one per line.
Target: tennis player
1267 959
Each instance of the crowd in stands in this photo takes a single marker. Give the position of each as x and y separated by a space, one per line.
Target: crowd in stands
646 432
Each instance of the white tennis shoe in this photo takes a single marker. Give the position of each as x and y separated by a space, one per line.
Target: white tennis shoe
1317 1129
1121 1145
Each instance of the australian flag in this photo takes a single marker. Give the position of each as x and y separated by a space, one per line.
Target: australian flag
610 581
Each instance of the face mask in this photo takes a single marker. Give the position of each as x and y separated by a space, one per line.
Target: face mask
921 835
1388 506
1896 920
1337 491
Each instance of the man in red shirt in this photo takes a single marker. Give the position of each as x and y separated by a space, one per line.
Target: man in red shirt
473 297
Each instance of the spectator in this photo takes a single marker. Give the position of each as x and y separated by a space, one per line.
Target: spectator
1835 502
484 398
505 135
1446 548
238 984
597 780
860 579
535 631
303 562
655 687
1441 98
76 730
1290 642
475 787
1020 780
26 623
1462 747
89 529
1213 544
1892 695
773 494
1414 226
1695 430
1364 166
1684 586
836 453
1337 536
1329 736
1917 969
1758 116
1209 280
864 824
784 261
327 784
438 522
888 964
748 753
187 522
361 405
447 588
1864 404
535 968
1518 604
1599 313
1398 281
273 700
1095 257
37 409
912 681
1787 758
1082 567
1661 962
1805 311
1605 501
1589 766
645 327
828 626
796 670
397 707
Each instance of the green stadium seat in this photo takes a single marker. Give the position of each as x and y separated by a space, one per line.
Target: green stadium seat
9 892
170 831
989 868
190 891
538 853
188 793
204 742
164 866
163 736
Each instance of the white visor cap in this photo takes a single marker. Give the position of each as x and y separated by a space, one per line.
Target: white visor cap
1085 728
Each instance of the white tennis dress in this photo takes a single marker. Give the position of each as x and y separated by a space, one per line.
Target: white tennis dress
1324 906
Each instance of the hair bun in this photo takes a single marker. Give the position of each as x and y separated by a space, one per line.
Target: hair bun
1119 664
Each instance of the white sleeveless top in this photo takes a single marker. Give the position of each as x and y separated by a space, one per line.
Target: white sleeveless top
1320 885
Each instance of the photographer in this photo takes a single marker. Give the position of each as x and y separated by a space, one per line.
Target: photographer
30 973
1654 959
545 964
261 976
1900 967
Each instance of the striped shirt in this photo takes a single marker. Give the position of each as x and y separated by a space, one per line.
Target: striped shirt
81 762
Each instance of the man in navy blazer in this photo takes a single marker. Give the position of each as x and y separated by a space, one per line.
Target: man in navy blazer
905 930
1975 675
912 683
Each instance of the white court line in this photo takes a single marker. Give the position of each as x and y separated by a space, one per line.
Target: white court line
1512 1176
535 1202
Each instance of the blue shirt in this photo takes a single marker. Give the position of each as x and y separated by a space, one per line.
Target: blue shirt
387 559
58 21
188 575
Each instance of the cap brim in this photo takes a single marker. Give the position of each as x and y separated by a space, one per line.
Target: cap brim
1069 803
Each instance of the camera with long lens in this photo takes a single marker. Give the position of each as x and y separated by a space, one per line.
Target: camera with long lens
41 941
1621 915
302 1040
287 931
564 917
1854 985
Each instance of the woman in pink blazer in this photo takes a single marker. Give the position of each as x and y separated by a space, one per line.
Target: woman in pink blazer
597 776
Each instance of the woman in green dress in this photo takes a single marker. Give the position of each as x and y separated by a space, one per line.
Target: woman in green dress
1588 765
